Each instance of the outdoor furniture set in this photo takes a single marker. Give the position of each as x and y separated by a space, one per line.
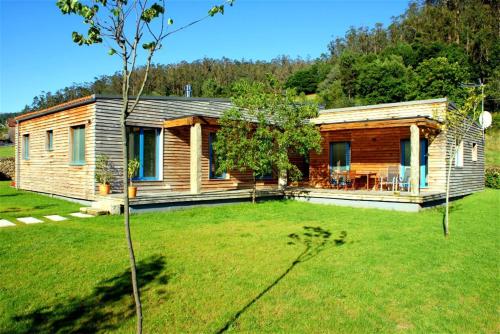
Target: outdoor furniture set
390 179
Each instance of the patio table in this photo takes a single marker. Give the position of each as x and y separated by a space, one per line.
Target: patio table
368 176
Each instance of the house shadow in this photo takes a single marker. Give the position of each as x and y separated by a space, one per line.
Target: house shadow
103 310
313 240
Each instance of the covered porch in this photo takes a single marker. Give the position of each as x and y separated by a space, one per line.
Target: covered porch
394 160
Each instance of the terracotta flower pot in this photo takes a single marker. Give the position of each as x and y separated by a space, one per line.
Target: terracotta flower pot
132 192
104 189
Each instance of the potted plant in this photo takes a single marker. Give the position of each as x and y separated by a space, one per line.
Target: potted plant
103 174
133 167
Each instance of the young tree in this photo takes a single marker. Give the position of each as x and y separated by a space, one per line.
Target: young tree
264 127
126 27
458 124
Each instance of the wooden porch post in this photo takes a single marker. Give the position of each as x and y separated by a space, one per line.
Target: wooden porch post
195 152
415 159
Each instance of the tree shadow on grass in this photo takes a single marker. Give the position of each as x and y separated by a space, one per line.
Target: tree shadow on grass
314 240
103 310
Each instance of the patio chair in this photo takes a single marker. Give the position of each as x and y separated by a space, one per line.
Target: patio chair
389 177
348 180
336 179
404 181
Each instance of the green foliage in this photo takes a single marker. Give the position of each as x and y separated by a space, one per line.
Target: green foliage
211 88
263 128
133 168
492 177
103 170
307 80
382 80
437 77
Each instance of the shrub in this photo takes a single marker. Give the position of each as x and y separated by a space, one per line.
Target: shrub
492 177
7 168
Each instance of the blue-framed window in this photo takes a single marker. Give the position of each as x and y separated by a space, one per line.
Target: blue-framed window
26 147
144 145
213 166
49 140
424 163
340 157
78 145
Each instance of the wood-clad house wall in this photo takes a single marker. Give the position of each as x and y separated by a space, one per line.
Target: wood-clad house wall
470 177
175 148
377 149
51 171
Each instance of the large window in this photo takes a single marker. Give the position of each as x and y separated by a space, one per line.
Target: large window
340 156
78 145
26 147
49 140
144 145
214 174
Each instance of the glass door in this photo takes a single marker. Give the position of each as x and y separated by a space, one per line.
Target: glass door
144 146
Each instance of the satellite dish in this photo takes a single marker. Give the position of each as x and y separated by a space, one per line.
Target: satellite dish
485 119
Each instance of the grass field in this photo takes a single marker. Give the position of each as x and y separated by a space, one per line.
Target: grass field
492 151
280 267
6 151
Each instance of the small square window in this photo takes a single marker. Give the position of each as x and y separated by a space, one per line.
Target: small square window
49 140
474 151
26 147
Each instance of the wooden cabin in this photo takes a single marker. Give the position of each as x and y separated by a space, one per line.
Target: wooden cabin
56 151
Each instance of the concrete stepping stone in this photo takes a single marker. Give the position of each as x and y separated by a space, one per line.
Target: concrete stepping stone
6 223
56 218
80 215
30 220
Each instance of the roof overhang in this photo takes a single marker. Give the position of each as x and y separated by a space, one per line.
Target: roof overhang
190 120
423 122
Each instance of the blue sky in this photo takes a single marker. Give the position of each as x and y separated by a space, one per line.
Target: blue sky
37 54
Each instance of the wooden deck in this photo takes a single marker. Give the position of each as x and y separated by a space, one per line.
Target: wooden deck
365 195
170 197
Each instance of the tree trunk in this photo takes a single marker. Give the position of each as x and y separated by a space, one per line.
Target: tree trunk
126 215
448 179
254 190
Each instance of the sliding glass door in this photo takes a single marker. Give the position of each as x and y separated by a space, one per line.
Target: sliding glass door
144 145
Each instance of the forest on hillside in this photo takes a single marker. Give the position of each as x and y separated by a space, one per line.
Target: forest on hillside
429 51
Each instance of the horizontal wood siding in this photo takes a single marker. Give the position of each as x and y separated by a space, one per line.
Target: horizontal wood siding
51 171
431 110
176 158
469 178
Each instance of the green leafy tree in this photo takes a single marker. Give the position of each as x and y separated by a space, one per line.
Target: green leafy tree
382 80
437 77
127 27
264 127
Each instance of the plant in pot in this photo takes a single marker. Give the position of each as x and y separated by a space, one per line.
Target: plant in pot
103 174
133 167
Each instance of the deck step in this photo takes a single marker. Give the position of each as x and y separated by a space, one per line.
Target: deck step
94 211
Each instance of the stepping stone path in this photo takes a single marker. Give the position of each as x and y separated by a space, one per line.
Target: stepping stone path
56 218
80 215
30 220
33 220
6 223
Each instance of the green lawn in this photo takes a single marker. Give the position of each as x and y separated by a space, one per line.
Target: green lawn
247 268
6 151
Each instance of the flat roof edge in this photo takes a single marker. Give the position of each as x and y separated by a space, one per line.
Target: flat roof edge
385 105
60 107
165 98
